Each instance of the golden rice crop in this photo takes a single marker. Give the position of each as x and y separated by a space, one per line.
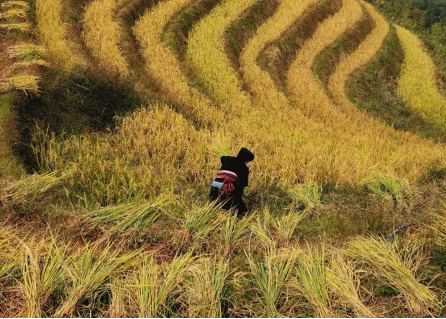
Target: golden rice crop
205 53
42 270
152 151
381 149
258 80
15 5
24 83
271 275
150 285
88 272
25 26
205 288
138 214
53 35
340 278
29 188
14 13
386 263
101 34
164 67
310 279
417 85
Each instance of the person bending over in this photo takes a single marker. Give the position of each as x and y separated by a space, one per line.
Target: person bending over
231 181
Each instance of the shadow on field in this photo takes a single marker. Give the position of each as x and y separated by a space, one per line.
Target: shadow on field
73 104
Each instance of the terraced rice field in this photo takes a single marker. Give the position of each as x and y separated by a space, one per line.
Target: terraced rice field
128 106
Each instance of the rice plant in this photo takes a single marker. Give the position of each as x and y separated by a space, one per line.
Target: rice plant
13 4
163 65
386 262
43 271
276 230
14 14
139 214
151 285
25 83
27 190
308 194
206 286
200 220
311 281
233 228
417 85
88 273
342 281
271 275
390 188
10 252
53 34
439 227
101 34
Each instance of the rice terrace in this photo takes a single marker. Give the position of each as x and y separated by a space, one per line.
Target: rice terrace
115 115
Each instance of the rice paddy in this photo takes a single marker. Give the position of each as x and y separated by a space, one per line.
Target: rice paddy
115 221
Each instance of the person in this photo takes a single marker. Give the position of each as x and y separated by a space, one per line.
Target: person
231 181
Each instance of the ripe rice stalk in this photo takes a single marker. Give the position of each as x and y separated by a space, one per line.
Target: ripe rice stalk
151 285
275 230
14 14
311 281
25 83
10 252
53 35
233 228
205 288
164 67
262 228
23 51
201 220
417 85
120 300
23 27
89 272
139 214
439 228
386 262
42 269
271 275
101 34
287 224
206 54
259 81
15 5
359 150
29 188
341 280
309 194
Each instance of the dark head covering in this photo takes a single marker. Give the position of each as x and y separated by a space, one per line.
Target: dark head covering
244 155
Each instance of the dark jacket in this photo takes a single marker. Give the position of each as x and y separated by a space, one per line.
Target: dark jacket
235 165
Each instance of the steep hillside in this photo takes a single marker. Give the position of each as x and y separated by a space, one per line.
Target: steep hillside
114 115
